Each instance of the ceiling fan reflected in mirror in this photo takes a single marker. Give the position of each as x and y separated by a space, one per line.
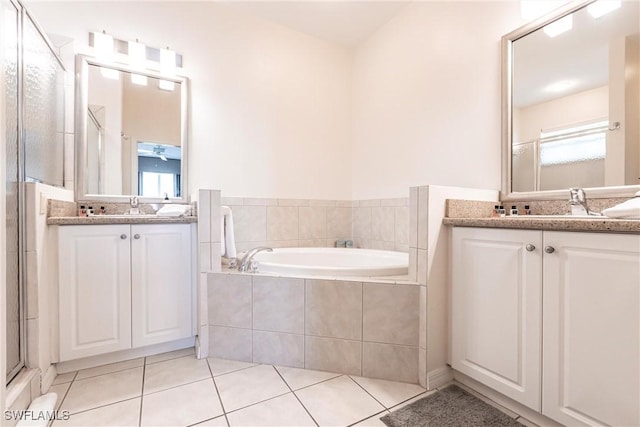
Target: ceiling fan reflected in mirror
164 152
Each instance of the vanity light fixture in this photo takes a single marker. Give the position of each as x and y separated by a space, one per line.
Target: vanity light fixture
138 79
533 9
167 62
560 86
103 46
602 7
558 27
166 85
110 73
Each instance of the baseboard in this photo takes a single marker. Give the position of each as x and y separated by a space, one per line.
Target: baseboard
120 356
505 401
46 379
439 377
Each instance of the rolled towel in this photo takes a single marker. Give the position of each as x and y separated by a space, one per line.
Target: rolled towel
227 240
173 210
629 209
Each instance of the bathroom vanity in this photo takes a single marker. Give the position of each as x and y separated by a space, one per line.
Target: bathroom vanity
125 285
550 319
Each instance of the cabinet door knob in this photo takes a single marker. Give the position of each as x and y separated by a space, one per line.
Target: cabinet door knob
530 247
123 236
136 236
549 249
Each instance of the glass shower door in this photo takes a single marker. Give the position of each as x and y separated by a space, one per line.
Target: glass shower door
15 352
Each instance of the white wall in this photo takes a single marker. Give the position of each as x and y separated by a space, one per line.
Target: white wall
270 107
426 98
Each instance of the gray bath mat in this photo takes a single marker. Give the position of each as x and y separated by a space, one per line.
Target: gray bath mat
451 406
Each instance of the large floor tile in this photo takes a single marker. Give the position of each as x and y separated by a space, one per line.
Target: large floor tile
181 406
103 390
249 386
225 366
64 378
174 372
118 414
373 421
410 401
107 369
338 402
389 393
170 355
299 378
280 411
220 421
61 391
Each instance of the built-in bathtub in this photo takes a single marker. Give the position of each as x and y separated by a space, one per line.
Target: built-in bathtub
340 262
349 311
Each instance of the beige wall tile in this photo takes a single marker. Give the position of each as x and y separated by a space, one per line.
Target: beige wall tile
260 202
339 223
231 201
402 225
369 203
204 216
229 298
390 362
422 333
230 343
278 349
423 269
383 223
315 243
390 313
333 355
423 217
216 231
413 264
282 223
312 222
344 203
400 201
250 223
325 203
293 202
278 304
362 223
413 217
205 257
32 284
422 367
333 309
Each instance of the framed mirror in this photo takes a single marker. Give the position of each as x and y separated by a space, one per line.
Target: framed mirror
131 136
571 103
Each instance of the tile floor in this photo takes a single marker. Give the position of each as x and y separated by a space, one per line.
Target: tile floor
176 389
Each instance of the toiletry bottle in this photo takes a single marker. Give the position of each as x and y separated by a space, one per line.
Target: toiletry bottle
82 211
527 210
496 211
102 210
90 211
502 211
514 211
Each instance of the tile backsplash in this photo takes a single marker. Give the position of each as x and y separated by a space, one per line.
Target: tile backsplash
371 224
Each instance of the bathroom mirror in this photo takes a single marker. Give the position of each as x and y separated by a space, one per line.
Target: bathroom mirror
130 133
571 103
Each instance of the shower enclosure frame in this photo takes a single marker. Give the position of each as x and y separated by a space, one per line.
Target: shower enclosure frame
22 15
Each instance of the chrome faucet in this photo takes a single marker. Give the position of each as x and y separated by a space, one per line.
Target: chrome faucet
578 202
134 210
247 263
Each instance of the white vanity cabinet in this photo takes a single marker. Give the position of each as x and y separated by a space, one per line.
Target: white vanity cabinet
496 310
123 286
563 324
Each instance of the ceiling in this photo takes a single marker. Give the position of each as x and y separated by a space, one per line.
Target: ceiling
343 22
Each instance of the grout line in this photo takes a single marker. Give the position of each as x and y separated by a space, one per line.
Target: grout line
426 393
144 371
224 413
367 391
171 358
104 405
106 373
320 382
370 416
236 370
255 403
296 396
176 386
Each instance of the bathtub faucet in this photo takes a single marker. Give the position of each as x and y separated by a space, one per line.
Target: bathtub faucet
247 261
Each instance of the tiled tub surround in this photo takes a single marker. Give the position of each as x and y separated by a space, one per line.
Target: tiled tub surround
371 224
344 326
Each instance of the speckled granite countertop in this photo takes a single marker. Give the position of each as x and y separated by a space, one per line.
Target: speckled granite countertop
120 219
557 223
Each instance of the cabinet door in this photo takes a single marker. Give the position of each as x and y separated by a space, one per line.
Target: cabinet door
592 329
496 309
161 283
94 289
